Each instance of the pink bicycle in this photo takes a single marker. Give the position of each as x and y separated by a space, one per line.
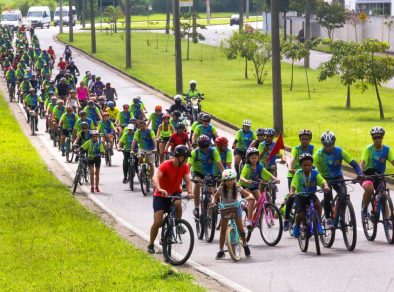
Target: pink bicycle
266 217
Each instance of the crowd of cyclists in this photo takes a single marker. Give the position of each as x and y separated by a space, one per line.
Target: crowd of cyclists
87 112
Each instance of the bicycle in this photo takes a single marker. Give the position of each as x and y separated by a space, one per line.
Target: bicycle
144 173
108 150
344 219
132 170
11 91
267 218
380 203
271 190
309 226
68 147
177 237
233 239
42 110
32 119
206 223
82 173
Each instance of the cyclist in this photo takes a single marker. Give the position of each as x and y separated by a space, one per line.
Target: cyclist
10 77
24 87
167 182
73 101
228 193
328 161
226 156
137 109
107 130
83 117
178 106
373 161
176 118
112 110
74 71
95 150
146 144
57 113
156 118
125 144
110 93
305 137
93 112
83 136
265 149
192 92
124 117
196 123
98 87
62 88
49 109
180 137
67 123
205 129
242 141
306 180
32 102
164 133
67 54
260 138
61 65
202 162
252 174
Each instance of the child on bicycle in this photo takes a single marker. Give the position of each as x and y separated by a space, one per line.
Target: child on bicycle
252 174
228 193
306 180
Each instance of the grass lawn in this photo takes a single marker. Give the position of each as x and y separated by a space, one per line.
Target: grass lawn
49 242
232 98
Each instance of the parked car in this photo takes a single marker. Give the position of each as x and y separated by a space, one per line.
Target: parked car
234 19
66 16
39 16
11 18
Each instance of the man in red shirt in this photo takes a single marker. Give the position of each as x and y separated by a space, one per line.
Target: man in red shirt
62 64
167 182
51 53
180 137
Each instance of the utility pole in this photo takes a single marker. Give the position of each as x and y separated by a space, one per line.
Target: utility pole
241 15
83 11
307 30
178 48
168 16
247 9
92 27
194 21
128 34
208 4
276 69
70 21
61 16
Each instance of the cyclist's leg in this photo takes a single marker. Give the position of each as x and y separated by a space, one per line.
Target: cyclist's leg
317 205
91 172
162 145
300 209
63 138
126 157
97 164
251 203
178 206
327 202
369 189
223 229
341 190
160 205
150 159
238 221
196 190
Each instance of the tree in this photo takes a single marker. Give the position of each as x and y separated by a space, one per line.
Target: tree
70 22
377 69
342 64
255 47
113 13
330 16
128 33
92 27
189 32
354 20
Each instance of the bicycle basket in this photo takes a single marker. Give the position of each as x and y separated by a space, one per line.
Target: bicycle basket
229 212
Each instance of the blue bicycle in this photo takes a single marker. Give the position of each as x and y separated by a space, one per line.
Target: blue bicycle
309 226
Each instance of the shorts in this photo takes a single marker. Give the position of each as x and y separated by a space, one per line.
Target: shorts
149 155
240 152
252 188
375 183
96 161
162 203
164 139
66 132
302 202
33 108
197 174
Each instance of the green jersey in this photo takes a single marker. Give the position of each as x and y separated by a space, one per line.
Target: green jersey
127 140
93 149
296 151
203 162
257 173
307 183
68 120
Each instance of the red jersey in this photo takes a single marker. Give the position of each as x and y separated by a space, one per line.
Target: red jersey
51 53
179 139
62 65
172 177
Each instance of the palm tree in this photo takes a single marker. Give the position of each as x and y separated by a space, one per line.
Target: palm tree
113 13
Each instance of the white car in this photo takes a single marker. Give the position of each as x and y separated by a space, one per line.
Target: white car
234 19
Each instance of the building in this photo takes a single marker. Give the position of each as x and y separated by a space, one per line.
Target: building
371 7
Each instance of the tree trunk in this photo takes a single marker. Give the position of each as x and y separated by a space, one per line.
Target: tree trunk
70 22
307 29
168 16
188 47
292 74
348 97
258 74
60 16
83 11
241 15
379 101
92 28
128 33
194 23
284 26
246 69
307 83
178 48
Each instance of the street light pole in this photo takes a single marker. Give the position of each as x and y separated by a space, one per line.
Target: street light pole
276 69
83 11
178 48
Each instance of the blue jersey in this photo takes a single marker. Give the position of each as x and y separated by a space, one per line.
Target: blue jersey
330 164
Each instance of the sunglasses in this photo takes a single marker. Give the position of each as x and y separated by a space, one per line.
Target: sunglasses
377 137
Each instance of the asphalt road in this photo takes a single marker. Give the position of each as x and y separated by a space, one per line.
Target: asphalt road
280 268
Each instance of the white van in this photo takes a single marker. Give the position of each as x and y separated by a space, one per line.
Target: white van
39 16
11 18
56 17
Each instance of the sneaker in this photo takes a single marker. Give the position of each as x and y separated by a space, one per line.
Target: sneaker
247 250
249 224
97 189
329 224
320 229
196 213
296 231
125 181
151 249
92 189
63 153
286 225
220 255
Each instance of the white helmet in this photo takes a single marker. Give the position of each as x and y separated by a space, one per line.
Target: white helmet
377 130
130 127
193 82
328 138
177 97
228 174
247 123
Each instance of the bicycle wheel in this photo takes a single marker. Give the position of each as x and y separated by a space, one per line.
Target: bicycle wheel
157 159
271 225
388 218
178 242
143 179
369 224
77 178
349 226
303 238
233 243
68 150
32 124
131 173
327 239
202 219
316 233
86 173
211 224
12 93
107 156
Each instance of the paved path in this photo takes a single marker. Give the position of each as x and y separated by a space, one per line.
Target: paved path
280 268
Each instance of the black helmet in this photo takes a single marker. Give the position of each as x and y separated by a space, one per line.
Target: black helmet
180 126
84 125
176 114
206 118
203 141
305 156
181 150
